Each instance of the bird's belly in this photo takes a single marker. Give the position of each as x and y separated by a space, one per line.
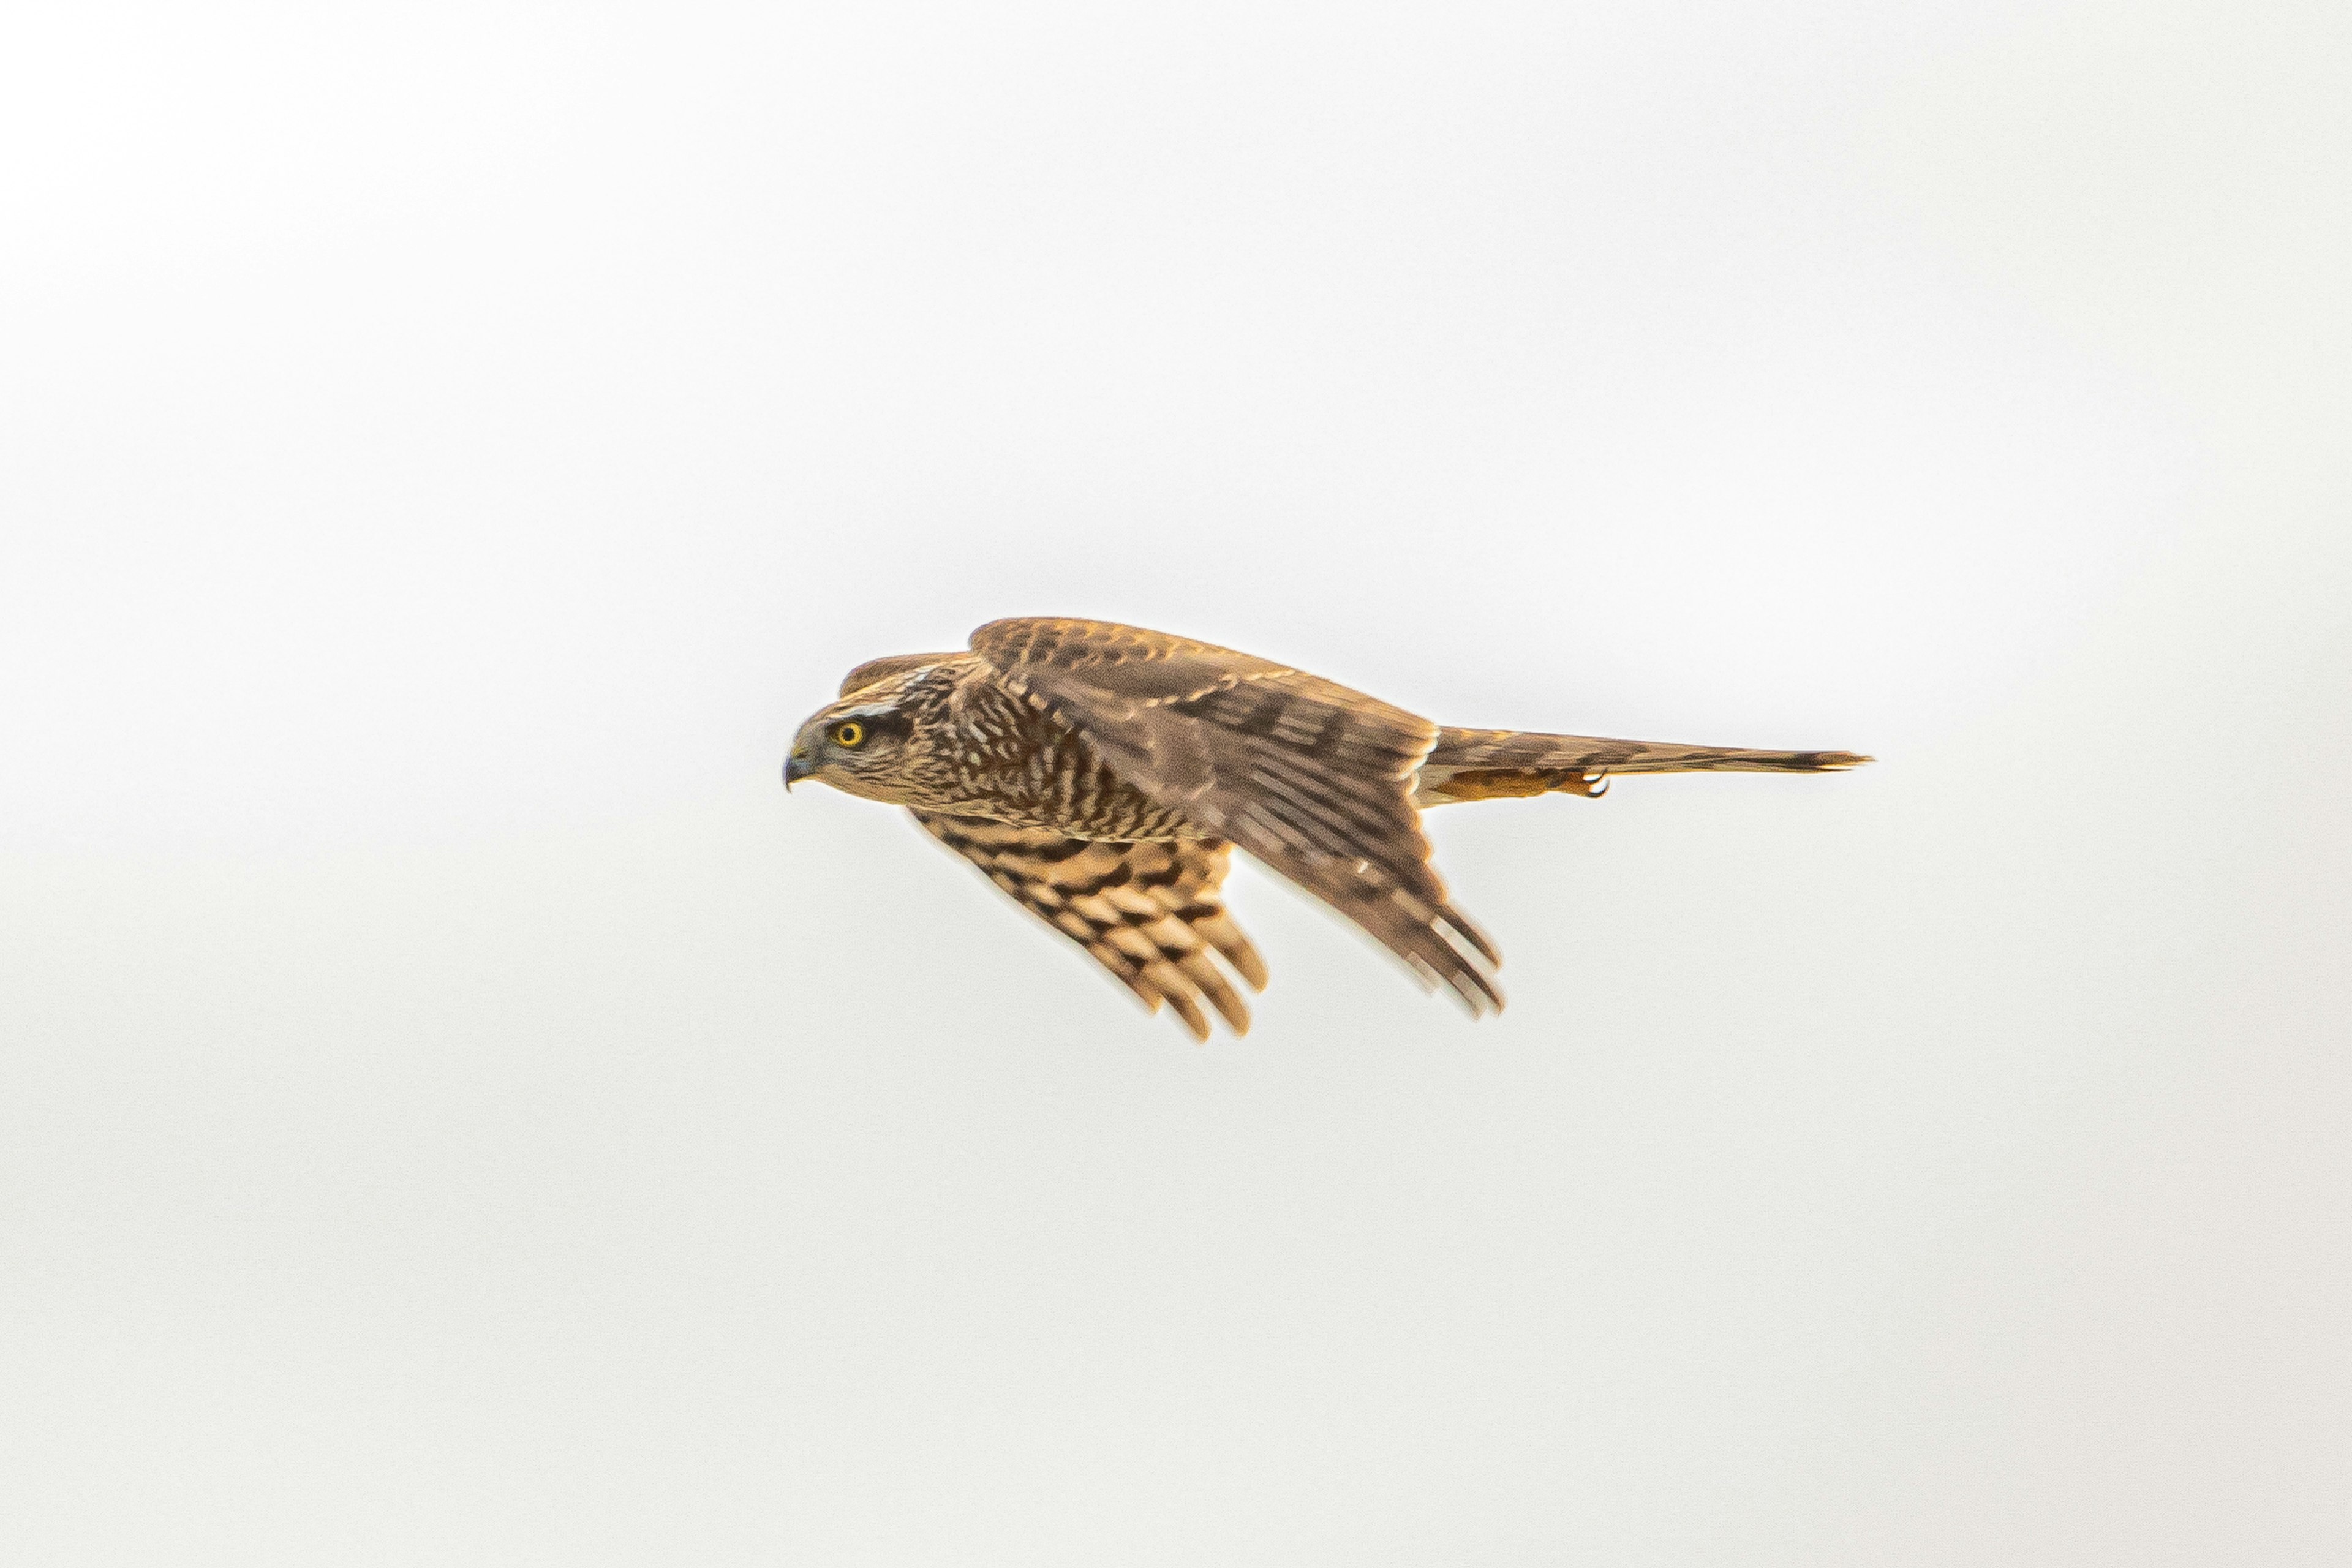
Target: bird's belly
1020 766
1089 803
1142 821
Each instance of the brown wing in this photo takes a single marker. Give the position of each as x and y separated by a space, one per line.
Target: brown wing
875 670
1310 777
1149 913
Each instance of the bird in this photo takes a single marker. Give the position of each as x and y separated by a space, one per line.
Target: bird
1101 775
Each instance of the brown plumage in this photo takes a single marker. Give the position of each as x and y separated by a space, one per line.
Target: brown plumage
1101 773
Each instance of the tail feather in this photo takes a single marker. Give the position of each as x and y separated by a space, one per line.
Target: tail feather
1485 764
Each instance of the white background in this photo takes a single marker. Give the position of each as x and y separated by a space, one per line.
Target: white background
454 1108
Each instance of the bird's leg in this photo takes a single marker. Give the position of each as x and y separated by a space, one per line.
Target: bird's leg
1508 783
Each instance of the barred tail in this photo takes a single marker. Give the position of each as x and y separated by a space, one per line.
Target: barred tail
1487 764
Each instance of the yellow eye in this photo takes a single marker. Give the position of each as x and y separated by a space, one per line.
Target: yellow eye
852 733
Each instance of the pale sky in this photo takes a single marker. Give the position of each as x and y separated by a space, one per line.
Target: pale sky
454 1108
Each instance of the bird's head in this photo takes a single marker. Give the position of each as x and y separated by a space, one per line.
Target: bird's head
878 739
857 745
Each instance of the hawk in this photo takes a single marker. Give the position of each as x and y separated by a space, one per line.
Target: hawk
1102 774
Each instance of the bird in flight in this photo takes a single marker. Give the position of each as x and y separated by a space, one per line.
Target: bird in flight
1101 775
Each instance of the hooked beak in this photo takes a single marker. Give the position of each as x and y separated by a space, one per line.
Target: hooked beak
796 766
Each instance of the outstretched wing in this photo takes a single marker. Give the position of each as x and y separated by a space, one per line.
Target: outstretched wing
875 670
1150 913
1310 777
